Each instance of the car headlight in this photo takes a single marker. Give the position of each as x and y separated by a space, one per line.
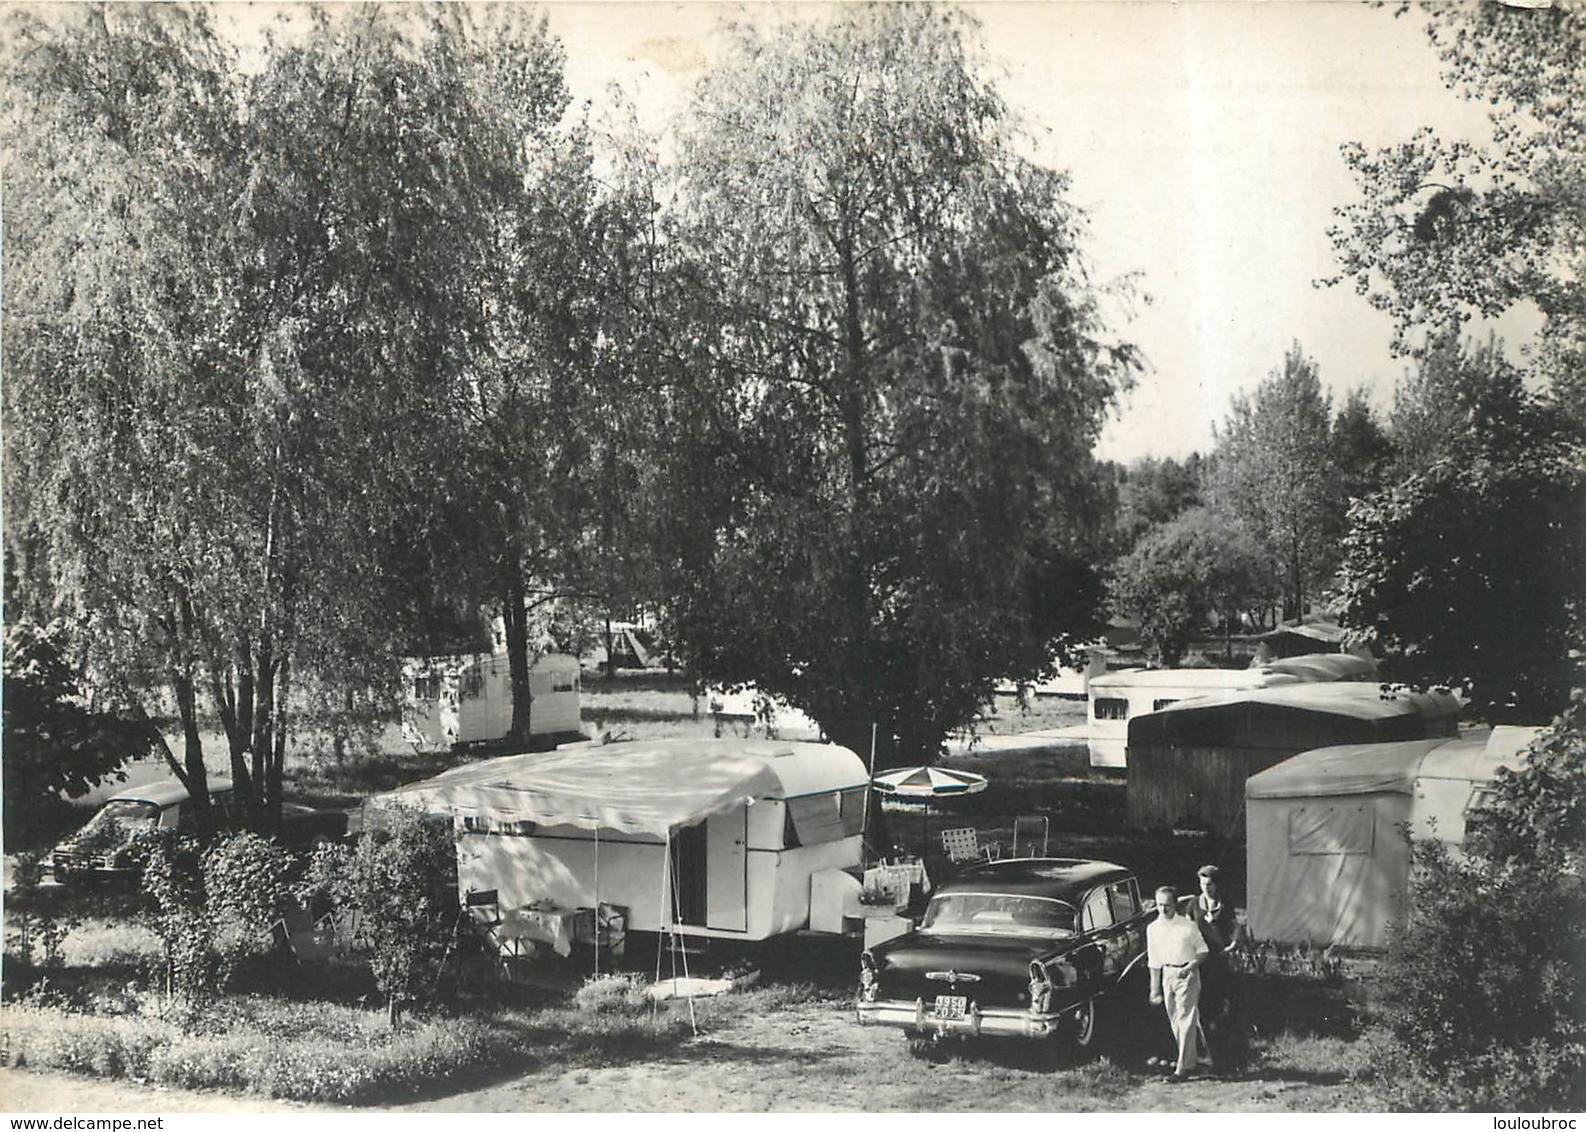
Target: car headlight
1040 989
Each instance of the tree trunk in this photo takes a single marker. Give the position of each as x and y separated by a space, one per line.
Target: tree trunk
263 734
194 776
515 621
856 685
276 773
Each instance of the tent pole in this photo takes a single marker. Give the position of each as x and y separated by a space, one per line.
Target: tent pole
693 1022
666 849
864 821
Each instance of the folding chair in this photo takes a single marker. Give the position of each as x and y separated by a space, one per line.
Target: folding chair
963 846
484 913
1025 823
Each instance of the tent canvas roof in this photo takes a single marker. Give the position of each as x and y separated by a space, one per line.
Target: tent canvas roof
633 787
1356 699
1323 632
1391 768
1295 669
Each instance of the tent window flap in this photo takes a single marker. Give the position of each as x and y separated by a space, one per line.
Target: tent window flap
1318 831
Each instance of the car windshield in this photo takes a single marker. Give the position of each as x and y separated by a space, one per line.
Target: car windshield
998 913
123 814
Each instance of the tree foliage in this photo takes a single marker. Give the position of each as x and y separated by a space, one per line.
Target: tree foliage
904 371
1274 474
1445 230
1466 572
1183 571
1152 491
239 304
57 745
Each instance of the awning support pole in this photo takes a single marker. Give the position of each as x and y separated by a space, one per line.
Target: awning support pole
864 821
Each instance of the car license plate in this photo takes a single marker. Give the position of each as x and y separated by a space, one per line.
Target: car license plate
951 1006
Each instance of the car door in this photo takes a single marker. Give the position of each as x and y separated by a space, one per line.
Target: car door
1131 916
1112 917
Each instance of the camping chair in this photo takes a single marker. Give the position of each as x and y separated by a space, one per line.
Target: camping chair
1027 822
963 846
484 912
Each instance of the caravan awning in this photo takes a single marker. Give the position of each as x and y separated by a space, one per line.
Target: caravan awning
628 787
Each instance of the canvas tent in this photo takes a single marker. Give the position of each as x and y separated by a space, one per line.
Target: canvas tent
1189 761
1326 861
715 838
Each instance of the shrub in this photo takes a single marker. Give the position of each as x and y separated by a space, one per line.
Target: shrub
402 881
245 894
327 1054
614 994
1483 988
173 877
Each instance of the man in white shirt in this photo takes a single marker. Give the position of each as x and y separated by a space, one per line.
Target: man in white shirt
1174 951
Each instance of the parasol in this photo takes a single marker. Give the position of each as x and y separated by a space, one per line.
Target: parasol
923 784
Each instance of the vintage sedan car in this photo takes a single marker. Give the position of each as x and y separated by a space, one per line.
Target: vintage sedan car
1020 948
105 848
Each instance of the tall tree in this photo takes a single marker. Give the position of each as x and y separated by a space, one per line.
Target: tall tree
1467 571
1186 569
908 367
233 308
1155 491
1444 230
1362 450
1275 475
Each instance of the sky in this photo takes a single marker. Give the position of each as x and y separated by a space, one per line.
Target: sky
1202 138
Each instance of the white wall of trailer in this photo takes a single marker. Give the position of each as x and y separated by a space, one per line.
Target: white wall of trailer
756 887
469 700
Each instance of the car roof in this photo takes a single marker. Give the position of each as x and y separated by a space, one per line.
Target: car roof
165 793
1060 878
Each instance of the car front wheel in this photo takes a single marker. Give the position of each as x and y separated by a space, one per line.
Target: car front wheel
1085 1024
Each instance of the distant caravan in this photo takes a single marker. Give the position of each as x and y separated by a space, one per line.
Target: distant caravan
1118 697
458 701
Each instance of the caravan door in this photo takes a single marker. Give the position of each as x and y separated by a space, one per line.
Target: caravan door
727 871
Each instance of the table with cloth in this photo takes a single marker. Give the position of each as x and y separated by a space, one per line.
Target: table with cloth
557 927
898 879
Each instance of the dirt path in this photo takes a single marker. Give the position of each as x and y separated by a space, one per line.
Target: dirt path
810 1058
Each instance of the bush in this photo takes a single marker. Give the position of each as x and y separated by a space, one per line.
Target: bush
403 883
245 894
325 1054
1483 988
614 994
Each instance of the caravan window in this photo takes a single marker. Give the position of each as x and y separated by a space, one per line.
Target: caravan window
1481 798
1112 708
564 682
427 688
1158 705
815 819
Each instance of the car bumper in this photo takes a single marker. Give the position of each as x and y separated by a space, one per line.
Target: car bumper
917 1018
